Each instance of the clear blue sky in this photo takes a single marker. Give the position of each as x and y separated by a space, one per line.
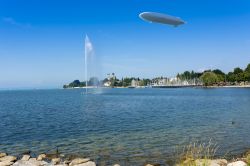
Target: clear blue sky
41 41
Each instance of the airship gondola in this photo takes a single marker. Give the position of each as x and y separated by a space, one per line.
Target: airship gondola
153 17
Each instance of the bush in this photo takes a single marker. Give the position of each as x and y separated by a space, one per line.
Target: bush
209 78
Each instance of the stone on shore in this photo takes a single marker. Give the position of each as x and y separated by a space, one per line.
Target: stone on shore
41 157
66 162
30 162
25 157
8 158
79 161
237 163
215 162
3 154
89 163
56 161
220 162
6 163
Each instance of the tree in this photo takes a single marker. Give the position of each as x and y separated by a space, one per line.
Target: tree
221 75
247 76
231 77
218 72
144 82
209 78
248 68
247 73
237 70
187 75
239 74
75 83
83 84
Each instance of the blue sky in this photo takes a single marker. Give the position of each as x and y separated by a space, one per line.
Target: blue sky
41 41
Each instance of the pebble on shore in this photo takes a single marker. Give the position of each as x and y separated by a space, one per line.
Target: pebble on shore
25 157
3 154
26 160
41 157
79 161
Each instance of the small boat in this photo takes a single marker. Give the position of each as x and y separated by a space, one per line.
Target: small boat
131 87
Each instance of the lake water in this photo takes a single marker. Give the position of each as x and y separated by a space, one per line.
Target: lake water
126 126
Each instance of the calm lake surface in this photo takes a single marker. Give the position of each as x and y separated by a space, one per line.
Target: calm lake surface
126 126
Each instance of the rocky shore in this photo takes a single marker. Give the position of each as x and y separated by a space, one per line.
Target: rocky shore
47 160
42 160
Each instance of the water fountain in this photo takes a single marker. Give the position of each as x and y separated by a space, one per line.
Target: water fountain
91 70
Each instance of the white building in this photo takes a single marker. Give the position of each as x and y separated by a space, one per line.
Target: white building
135 83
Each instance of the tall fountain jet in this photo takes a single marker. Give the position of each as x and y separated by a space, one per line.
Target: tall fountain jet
88 52
92 68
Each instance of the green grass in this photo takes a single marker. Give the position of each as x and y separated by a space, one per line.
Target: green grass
248 158
196 154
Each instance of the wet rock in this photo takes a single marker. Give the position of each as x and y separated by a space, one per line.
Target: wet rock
3 154
66 162
221 162
149 165
216 162
23 163
31 162
41 157
78 161
8 158
6 163
25 157
51 156
62 155
35 162
89 163
56 161
237 163
116 165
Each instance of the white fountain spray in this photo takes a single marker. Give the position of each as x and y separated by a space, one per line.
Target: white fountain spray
88 52
92 68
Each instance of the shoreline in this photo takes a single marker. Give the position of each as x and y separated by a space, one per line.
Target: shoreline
164 87
57 159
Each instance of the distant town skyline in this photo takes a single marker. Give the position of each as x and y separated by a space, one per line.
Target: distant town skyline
42 42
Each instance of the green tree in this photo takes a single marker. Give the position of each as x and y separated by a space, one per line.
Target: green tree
231 77
237 70
187 75
247 76
221 75
218 72
248 68
239 74
247 73
75 83
209 78
83 84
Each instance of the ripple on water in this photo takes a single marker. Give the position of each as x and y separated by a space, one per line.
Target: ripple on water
123 125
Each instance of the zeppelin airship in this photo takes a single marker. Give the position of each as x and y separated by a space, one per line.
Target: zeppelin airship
161 18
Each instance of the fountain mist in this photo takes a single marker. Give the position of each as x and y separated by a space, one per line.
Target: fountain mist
91 71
